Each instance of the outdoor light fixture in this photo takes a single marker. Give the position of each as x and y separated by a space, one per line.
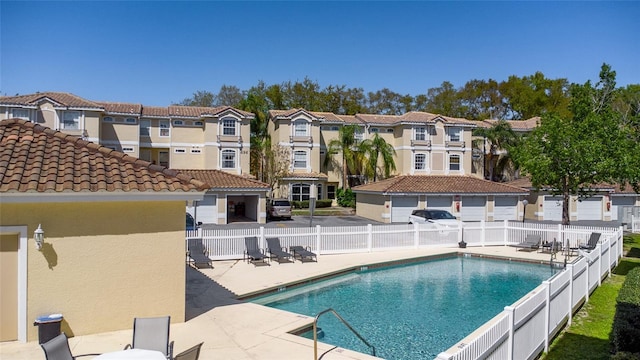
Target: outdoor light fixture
38 236
524 207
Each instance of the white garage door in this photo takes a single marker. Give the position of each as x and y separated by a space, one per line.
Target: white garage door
505 208
401 208
552 208
619 201
207 211
473 208
439 202
590 208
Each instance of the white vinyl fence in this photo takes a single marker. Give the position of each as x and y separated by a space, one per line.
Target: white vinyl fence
635 224
524 329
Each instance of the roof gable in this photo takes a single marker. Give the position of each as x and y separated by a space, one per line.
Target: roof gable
218 179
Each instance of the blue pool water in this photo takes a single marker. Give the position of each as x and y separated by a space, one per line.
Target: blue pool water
413 311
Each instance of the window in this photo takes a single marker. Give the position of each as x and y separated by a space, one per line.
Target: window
454 162
331 192
229 126
374 130
165 131
335 128
228 159
300 128
108 119
299 159
454 134
420 133
128 149
319 193
130 120
300 192
163 158
196 151
198 123
71 120
20 113
178 122
420 162
145 125
145 154
390 130
179 150
359 134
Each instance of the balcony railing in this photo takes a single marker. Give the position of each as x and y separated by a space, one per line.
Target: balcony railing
421 143
301 139
458 144
230 139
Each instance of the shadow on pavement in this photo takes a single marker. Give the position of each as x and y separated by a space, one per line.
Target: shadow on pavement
204 294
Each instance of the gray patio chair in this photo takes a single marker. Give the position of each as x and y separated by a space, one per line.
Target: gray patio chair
531 243
252 252
275 250
58 349
192 353
152 334
302 253
593 241
198 254
551 247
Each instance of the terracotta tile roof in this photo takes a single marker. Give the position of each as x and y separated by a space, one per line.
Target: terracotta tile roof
351 119
525 183
307 175
287 114
198 111
419 116
218 179
516 125
121 108
64 99
155 111
328 116
34 158
433 184
378 119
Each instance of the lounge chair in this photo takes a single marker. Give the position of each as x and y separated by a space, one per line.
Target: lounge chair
192 353
275 250
198 254
152 334
302 253
252 252
531 243
58 349
591 244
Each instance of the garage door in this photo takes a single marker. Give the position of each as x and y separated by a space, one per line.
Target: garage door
401 208
473 208
617 202
439 202
207 211
590 208
552 208
505 208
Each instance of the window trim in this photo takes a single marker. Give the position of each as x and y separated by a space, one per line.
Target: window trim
164 125
108 119
306 159
142 126
296 127
78 125
126 120
226 125
424 161
301 195
454 130
420 130
223 160
25 111
459 163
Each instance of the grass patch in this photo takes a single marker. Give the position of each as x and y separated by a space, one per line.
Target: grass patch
588 336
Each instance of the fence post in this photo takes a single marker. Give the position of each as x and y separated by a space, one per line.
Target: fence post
586 297
262 240
510 310
570 268
369 237
609 258
599 260
633 223
505 224
318 232
561 238
416 236
483 232
547 313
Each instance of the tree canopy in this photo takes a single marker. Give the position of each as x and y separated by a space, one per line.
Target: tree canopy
572 155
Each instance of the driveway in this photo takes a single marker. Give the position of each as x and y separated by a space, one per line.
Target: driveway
299 221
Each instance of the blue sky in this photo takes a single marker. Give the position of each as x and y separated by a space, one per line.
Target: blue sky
158 53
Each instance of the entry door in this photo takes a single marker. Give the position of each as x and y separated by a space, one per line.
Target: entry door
401 208
9 287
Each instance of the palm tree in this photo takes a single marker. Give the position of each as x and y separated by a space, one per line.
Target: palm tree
374 148
346 144
501 139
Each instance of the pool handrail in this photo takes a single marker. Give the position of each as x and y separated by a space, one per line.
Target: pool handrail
335 313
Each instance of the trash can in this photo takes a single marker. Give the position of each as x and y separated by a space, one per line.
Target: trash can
48 327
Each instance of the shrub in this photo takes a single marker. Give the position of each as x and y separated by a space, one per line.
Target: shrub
625 334
305 204
625 356
346 198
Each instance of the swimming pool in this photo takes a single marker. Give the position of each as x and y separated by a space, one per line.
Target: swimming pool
412 311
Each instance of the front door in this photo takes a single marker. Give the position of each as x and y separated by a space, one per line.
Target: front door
9 287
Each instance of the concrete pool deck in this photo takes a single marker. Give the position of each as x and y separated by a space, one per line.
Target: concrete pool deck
235 329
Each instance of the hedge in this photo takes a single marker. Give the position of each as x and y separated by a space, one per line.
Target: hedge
305 204
625 334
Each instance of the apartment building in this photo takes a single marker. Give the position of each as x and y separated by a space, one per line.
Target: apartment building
177 137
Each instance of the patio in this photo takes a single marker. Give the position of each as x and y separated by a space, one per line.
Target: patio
229 327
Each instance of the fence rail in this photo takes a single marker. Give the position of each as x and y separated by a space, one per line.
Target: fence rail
523 330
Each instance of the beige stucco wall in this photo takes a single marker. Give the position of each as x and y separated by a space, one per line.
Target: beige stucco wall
103 263
373 206
120 132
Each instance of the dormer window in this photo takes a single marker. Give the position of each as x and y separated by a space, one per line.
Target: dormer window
300 128
229 126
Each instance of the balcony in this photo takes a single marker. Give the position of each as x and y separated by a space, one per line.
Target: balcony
301 139
426 143
229 139
454 144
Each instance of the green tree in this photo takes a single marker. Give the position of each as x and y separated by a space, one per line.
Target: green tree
378 150
346 146
229 95
443 100
256 101
200 98
501 140
571 155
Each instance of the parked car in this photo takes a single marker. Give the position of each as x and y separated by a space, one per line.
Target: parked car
279 208
438 218
191 223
